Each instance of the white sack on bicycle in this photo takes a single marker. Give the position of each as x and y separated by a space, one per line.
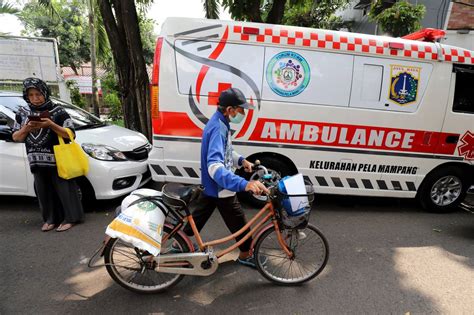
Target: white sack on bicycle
140 224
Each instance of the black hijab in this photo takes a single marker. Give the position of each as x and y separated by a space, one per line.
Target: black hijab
40 85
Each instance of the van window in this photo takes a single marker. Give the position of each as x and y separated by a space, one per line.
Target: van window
372 79
463 94
308 77
388 84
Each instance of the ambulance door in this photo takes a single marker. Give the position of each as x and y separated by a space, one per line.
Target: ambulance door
458 127
396 96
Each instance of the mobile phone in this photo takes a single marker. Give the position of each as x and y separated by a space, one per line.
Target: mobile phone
34 118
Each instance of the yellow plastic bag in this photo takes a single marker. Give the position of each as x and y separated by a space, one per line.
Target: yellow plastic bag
71 161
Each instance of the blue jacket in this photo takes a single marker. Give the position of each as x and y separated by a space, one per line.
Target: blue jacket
218 160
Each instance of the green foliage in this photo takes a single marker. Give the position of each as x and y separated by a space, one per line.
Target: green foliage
76 97
398 20
112 101
71 29
110 93
316 14
307 13
119 123
211 7
109 84
148 37
7 8
240 9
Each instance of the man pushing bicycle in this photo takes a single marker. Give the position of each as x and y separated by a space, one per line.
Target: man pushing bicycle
220 183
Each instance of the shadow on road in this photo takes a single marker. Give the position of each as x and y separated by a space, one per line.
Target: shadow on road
386 256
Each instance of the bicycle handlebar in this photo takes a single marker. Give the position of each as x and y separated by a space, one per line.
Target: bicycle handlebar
271 180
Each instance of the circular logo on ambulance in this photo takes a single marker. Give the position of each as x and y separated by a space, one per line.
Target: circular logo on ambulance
288 74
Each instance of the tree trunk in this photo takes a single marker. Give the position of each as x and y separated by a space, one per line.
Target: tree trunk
254 13
276 12
123 33
140 83
95 94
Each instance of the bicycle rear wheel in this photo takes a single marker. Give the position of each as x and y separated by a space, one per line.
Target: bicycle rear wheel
129 267
310 249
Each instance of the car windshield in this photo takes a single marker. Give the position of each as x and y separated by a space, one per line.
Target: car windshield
81 118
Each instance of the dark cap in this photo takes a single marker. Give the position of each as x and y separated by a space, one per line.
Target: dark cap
234 97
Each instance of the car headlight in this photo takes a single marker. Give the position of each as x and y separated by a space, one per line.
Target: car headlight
148 147
103 152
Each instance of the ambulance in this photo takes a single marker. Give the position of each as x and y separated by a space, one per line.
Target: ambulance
356 114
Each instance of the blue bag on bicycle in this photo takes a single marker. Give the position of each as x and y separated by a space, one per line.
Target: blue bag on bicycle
293 185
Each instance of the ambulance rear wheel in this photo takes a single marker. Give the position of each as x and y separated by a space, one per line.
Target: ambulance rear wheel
443 190
273 165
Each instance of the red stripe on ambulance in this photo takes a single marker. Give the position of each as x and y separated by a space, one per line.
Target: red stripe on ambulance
352 136
175 124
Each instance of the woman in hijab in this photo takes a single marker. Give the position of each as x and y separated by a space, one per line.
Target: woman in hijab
58 198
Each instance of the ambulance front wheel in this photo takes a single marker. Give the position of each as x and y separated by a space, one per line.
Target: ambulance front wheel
443 189
273 164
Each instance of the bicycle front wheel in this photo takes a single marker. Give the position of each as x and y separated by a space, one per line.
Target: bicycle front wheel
132 269
310 254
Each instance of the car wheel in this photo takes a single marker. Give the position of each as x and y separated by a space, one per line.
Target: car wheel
443 190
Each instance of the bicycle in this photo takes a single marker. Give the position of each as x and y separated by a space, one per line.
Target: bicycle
287 250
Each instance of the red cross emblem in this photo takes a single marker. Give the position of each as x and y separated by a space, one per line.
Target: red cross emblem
213 97
466 149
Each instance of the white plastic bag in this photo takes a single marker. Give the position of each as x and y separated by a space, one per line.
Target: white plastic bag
294 185
140 224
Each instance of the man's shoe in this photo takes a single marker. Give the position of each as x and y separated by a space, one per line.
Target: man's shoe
250 261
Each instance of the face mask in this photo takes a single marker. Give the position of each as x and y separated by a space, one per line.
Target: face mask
237 119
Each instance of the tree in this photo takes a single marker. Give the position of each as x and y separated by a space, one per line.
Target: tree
69 26
316 14
271 11
399 19
148 37
93 51
7 8
211 7
121 22
308 13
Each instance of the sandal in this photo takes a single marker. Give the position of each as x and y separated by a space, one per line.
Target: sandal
47 227
64 227
250 261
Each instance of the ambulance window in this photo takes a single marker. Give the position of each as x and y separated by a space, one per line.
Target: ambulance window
307 77
463 94
372 82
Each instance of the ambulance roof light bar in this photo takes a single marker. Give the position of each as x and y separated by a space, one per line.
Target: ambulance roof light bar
426 35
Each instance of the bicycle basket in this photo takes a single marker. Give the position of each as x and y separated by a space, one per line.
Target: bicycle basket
295 218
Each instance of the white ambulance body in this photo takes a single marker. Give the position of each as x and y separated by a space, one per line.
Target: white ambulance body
355 114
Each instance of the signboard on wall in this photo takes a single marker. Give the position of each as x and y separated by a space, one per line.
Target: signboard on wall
23 58
84 83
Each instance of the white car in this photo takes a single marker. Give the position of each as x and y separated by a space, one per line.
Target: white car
117 156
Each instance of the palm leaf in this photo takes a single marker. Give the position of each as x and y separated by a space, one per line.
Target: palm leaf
7 8
211 7
48 4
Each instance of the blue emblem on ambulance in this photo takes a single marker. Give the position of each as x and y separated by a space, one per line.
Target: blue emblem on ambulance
288 74
403 84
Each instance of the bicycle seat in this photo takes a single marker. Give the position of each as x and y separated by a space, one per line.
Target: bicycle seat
179 195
